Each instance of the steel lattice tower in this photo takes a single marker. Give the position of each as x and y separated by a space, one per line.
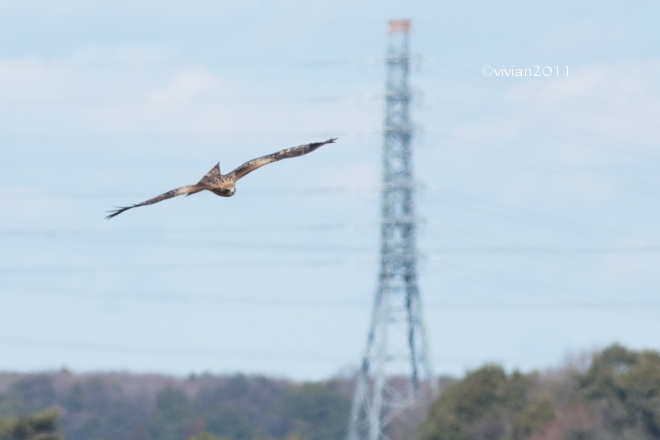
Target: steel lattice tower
396 343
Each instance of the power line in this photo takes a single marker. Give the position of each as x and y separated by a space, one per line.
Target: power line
153 101
458 199
444 250
475 77
339 303
86 233
184 351
553 250
326 190
537 163
466 74
541 128
185 267
161 351
23 137
494 281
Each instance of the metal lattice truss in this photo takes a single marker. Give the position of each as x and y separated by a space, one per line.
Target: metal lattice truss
395 374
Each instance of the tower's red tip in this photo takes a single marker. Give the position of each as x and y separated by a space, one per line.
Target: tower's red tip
399 26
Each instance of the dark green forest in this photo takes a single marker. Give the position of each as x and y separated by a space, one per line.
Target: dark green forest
613 394
615 397
126 407
41 426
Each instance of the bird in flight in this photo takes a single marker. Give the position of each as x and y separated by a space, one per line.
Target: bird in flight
224 185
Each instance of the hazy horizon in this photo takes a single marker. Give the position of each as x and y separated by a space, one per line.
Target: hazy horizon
538 196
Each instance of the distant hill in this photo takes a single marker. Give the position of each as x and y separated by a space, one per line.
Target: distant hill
612 395
119 406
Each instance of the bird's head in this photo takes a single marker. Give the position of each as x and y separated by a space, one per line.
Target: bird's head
227 192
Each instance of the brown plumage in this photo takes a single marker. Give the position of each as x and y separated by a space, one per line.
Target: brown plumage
225 184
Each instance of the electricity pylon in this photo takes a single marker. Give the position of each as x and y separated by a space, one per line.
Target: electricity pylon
396 343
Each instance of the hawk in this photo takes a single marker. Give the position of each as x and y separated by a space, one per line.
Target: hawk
224 185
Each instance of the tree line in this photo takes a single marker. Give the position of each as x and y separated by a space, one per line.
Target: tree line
149 407
614 394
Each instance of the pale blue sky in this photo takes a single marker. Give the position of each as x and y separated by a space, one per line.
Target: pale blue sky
539 199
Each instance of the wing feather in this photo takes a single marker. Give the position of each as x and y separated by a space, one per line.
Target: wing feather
211 175
188 189
252 165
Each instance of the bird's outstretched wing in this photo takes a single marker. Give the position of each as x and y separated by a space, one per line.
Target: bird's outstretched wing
188 189
252 165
